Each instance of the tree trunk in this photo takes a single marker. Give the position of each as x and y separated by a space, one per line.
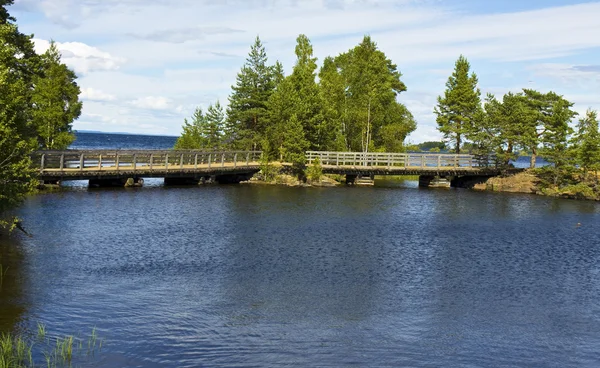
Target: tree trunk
533 158
368 126
509 152
458 142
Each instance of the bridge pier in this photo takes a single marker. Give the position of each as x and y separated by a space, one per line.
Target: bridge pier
468 182
181 181
430 181
351 179
116 183
233 178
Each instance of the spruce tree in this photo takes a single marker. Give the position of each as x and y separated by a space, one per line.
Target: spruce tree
459 109
248 101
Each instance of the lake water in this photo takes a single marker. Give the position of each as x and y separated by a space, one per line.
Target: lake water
267 276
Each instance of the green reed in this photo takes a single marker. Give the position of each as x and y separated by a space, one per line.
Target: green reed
16 350
41 331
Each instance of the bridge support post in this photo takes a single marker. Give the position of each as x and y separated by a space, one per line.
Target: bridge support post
430 181
233 178
181 181
351 179
468 182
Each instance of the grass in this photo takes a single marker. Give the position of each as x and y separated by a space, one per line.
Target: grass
41 331
16 351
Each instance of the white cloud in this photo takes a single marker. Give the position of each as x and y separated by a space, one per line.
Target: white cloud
152 103
80 57
186 53
96 95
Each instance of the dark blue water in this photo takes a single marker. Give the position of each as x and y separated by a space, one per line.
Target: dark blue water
268 276
121 141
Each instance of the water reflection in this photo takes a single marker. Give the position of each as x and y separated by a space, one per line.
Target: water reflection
259 275
13 284
278 268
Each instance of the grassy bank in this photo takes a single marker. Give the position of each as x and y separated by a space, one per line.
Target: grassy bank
572 183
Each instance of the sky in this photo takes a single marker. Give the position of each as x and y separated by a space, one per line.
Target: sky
145 65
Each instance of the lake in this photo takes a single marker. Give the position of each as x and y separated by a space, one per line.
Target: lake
266 276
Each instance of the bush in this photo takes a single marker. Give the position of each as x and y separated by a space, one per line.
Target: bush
267 170
315 171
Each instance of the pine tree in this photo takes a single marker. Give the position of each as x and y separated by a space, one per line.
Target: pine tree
335 103
213 132
248 101
556 130
308 105
278 73
546 125
193 135
282 105
587 143
295 144
459 110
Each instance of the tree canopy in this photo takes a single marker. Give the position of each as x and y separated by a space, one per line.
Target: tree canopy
459 109
38 103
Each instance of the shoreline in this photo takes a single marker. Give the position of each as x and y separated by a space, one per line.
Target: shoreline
526 182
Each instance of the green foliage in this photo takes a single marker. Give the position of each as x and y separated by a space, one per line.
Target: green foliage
364 100
586 143
248 103
206 130
459 110
308 107
428 146
548 125
295 144
314 172
281 106
39 100
55 101
16 175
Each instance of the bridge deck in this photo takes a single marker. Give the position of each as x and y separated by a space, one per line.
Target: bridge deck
81 165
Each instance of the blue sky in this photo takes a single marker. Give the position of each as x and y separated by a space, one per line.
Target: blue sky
144 65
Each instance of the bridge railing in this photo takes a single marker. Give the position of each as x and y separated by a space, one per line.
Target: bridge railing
390 160
131 160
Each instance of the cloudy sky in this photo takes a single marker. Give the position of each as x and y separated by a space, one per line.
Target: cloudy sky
144 65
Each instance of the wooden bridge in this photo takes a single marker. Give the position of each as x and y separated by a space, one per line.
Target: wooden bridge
120 167
116 167
374 163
